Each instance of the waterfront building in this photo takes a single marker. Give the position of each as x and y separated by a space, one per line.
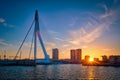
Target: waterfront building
87 58
104 58
72 52
96 59
76 54
114 59
55 54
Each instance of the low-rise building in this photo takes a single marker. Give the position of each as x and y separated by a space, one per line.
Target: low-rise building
114 59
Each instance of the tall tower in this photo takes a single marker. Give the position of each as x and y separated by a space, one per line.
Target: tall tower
76 54
73 52
55 53
37 34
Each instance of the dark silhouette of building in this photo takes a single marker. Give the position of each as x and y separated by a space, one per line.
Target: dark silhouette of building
114 59
55 53
87 58
96 59
104 58
4 57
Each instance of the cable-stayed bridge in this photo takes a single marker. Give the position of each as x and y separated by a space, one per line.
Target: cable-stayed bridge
36 35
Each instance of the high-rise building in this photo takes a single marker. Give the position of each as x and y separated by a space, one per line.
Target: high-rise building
72 54
76 54
55 53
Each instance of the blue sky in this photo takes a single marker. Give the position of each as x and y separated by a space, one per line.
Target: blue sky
92 25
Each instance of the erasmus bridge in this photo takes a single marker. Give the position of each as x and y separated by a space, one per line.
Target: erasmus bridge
36 36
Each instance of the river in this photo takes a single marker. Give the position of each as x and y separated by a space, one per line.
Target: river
59 72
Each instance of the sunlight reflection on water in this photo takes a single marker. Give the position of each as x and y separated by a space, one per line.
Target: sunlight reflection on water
59 72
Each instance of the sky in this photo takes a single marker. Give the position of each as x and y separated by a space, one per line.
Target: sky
90 25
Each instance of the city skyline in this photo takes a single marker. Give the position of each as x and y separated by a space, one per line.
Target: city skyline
90 26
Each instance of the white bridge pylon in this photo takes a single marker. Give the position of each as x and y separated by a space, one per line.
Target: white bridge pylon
38 35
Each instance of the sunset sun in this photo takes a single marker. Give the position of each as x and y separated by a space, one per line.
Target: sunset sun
91 59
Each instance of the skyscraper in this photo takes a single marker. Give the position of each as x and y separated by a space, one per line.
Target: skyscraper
76 54
55 53
72 52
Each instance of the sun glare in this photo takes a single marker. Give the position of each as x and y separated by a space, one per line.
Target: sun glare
91 59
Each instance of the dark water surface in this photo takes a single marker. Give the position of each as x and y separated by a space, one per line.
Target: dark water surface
59 72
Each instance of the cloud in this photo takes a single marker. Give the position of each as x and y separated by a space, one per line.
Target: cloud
50 45
2 20
56 36
3 43
108 49
59 39
4 23
52 32
74 20
94 27
108 12
115 1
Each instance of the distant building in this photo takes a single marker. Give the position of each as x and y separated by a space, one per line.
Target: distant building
114 59
96 59
4 57
55 54
87 58
104 58
76 54
72 52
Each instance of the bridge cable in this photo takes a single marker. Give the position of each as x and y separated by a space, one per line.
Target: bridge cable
24 40
31 46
